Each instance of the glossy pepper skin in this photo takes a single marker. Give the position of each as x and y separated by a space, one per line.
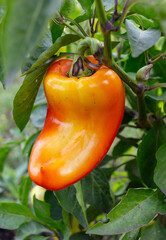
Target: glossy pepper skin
82 121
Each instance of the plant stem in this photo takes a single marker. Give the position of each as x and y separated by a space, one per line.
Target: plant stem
158 57
106 33
70 27
158 85
125 77
142 117
78 25
101 12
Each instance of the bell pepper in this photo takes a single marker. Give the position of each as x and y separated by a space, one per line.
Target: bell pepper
82 120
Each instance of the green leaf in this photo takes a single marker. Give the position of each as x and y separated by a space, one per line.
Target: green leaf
68 200
40 238
83 17
21 31
160 7
96 190
29 143
42 45
25 97
147 149
108 4
140 40
41 98
133 173
80 198
132 235
120 148
147 10
68 7
137 208
142 21
160 170
4 151
153 95
81 236
29 229
2 9
1 69
55 208
156 231
134 64
56 31
24 189
86 5
42 211
60 42
38 116
12 215
159 66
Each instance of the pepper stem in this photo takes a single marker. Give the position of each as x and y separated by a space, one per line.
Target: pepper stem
78 67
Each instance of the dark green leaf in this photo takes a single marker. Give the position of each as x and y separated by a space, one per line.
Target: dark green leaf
56 31
81 236
68 201
67 8
4 151
29 143
146 159
12 215
133 173
160 170
140 40
80 198
159 66
105 160
134 64
38 116
21 31
60 42
55 208
137 208
120 148
96 190
42 211
92 213
25 97
29 229
25 187
151 105
156 231
132 235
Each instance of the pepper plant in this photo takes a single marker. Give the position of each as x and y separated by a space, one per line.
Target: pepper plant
123 197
